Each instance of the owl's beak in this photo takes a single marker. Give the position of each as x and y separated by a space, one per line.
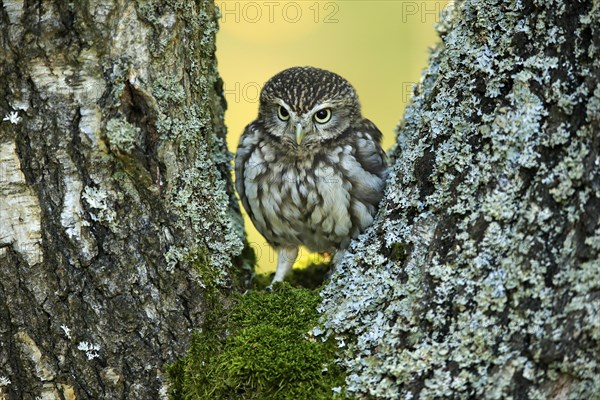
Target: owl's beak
299 133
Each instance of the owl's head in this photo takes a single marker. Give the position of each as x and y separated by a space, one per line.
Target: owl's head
306 105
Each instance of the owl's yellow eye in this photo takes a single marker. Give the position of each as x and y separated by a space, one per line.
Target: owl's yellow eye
283 114
323 115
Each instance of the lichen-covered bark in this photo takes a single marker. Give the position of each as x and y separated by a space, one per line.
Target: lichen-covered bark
481 276
116 207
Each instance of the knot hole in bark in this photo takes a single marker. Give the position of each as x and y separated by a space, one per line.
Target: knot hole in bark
141 110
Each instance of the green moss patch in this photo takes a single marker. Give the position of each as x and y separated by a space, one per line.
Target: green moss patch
260 348
311 277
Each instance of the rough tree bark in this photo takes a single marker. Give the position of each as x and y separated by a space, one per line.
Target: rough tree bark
481 277
117 219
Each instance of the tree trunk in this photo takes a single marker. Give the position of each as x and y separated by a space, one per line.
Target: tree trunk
117 221
481 277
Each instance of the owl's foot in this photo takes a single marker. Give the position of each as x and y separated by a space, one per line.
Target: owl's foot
286 256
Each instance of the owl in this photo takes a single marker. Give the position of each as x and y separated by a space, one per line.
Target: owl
310 169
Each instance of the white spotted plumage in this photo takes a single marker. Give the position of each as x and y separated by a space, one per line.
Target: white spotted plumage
310 169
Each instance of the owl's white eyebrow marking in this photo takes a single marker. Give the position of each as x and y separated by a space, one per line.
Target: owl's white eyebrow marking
319 106
284 104
287 107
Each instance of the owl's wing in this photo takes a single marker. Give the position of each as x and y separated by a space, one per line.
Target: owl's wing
368 150
248 143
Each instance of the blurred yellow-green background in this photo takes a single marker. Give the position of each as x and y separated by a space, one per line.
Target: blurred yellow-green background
381 47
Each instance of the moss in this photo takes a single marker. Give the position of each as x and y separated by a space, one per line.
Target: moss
260 348
198 260
310 277
397 252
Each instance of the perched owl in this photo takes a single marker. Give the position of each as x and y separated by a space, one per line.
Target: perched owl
310 169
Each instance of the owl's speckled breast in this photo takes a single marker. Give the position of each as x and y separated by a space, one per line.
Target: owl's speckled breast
306 199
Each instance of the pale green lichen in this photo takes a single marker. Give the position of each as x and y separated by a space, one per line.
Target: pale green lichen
122 136
169 89
493 196
98 202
